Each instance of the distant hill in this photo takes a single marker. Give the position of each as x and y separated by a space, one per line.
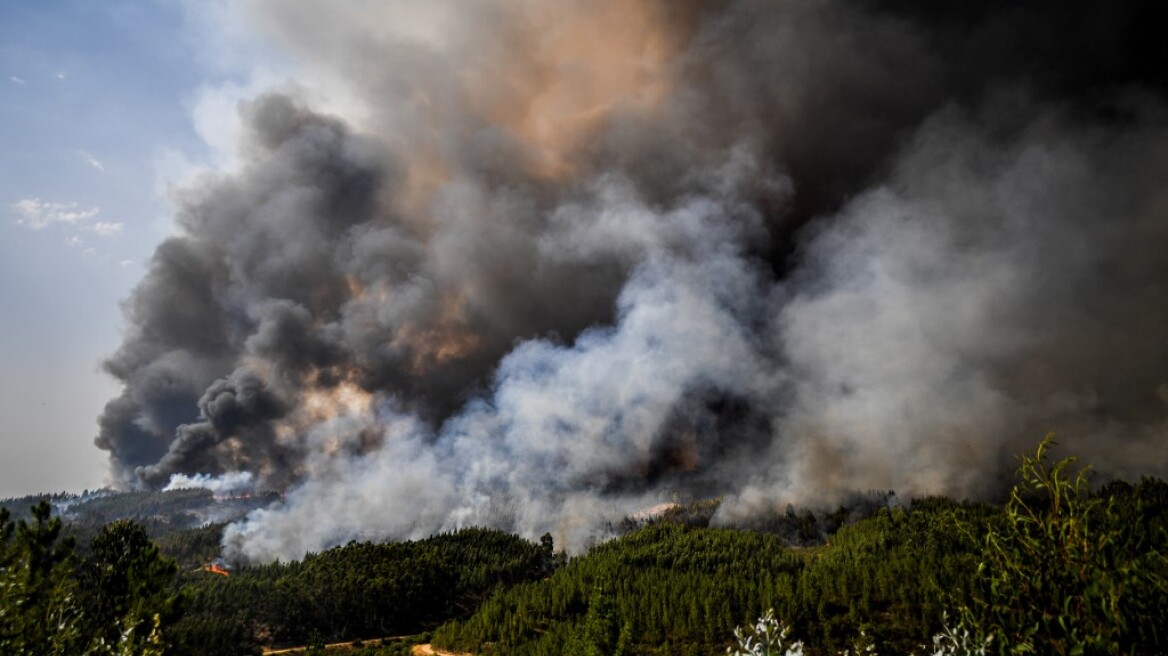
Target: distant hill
174 509
187 524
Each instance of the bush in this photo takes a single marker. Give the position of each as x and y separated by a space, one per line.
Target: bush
1065 573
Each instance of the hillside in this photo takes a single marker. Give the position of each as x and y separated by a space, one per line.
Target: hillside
187 524
1059 566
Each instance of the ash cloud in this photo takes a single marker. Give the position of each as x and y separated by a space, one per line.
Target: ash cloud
551 265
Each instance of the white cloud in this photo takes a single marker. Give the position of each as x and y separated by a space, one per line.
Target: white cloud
91 160
106 229
18 80
74 240
89 251
61 75
126 263
36 213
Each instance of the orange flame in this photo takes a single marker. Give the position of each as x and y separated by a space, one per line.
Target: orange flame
216 569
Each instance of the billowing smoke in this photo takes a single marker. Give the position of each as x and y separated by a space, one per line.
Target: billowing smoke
229 483
555 262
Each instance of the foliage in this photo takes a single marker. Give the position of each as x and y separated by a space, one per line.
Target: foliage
959 641
192 548
600 633
126 581
683 588
21 507
771 637
360 590
768 637
1069 572
186 523
45 612
38 611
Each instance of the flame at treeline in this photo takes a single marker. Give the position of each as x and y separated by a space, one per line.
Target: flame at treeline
536 265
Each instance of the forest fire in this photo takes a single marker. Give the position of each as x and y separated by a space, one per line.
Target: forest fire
217 567
547 262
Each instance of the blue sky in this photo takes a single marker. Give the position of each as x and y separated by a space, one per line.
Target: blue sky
97 119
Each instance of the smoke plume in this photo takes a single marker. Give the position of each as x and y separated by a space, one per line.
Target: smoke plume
553 262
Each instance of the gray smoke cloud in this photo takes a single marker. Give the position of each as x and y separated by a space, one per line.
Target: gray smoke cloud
990 291
553 264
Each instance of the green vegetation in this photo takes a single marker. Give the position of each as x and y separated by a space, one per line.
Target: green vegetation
1058 569
186 524
683 589
1068 572
363 590
192 548
112 603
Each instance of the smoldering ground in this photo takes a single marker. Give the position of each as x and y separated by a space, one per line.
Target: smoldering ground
551 262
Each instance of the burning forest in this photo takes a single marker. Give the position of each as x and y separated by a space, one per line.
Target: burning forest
532 265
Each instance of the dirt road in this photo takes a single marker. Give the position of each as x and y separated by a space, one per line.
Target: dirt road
428 650
289 651
417 650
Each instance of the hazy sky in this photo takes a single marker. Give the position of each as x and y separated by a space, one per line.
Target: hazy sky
103 107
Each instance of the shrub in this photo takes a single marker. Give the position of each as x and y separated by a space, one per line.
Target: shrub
1063 573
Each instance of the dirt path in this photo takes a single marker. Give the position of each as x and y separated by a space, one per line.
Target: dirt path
428 650
294 650
417 650
335 645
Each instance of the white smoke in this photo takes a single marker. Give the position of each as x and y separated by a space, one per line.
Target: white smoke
561 421
225 484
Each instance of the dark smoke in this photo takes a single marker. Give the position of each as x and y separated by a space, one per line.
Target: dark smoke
557 260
